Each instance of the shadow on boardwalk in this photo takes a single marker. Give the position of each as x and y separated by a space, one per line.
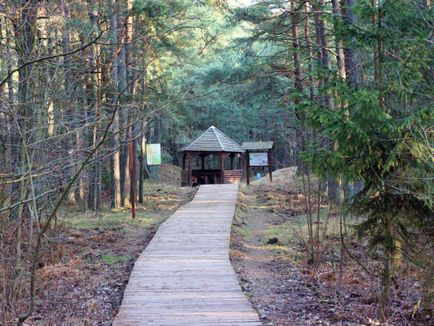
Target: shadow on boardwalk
184 276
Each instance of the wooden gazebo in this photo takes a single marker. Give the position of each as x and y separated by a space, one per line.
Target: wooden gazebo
212 158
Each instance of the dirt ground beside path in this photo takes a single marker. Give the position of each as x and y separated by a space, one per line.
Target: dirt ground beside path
82 280
275 286
269 256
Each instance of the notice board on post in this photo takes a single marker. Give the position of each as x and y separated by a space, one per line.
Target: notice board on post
258 159
260 155
153 154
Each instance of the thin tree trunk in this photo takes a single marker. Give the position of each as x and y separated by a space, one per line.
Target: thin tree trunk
307 24
340 56
324 63
351 66
123 112
387 267
300 132
68 106
93 109
389 241
307 200
132 172
116 158
13 132
142 162
24 28
4 131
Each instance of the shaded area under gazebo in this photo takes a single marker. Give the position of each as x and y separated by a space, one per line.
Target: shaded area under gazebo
212 158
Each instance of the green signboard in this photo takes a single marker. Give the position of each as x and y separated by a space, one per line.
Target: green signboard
153 154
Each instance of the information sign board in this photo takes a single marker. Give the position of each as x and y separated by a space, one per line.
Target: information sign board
258 159
153 154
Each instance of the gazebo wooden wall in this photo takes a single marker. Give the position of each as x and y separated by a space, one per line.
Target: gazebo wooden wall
221 175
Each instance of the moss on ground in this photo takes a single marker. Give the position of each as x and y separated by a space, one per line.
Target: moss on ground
108 220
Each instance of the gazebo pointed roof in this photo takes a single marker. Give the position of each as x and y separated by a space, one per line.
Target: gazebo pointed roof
213 140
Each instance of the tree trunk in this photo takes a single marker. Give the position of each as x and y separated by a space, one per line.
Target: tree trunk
123 109
297 83
324 63
92 103
307 24
4 126
24 29
352 68
116 158
387 267
339 44
68 105
142 162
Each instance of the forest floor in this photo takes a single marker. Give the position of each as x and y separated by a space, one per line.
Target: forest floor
268 253
83 279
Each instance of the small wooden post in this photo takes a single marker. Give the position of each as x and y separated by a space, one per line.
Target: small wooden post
222 167
203 162
232 161
248 167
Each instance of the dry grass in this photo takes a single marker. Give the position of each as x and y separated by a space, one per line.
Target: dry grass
170 174
282 177
86 268
292 292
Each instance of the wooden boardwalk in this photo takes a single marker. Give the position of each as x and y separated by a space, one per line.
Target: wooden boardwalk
184 276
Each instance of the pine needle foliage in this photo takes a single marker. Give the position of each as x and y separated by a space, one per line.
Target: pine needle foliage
384 135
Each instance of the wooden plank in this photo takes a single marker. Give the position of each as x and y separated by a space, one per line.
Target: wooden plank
233 176
184 276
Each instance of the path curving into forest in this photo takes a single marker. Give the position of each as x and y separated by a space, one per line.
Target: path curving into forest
184 276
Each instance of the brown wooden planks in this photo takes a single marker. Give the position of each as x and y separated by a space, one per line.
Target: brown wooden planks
184 276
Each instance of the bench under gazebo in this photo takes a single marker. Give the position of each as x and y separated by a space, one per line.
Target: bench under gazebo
212 158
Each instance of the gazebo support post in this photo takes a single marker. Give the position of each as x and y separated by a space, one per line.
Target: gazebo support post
190 167
232 161
241 163
248 167
270 164
222 167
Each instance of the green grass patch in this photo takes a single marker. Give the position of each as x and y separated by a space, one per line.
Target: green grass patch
284 232
110 259
287 235
108 220
290 231
244 231
277 248
295 230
